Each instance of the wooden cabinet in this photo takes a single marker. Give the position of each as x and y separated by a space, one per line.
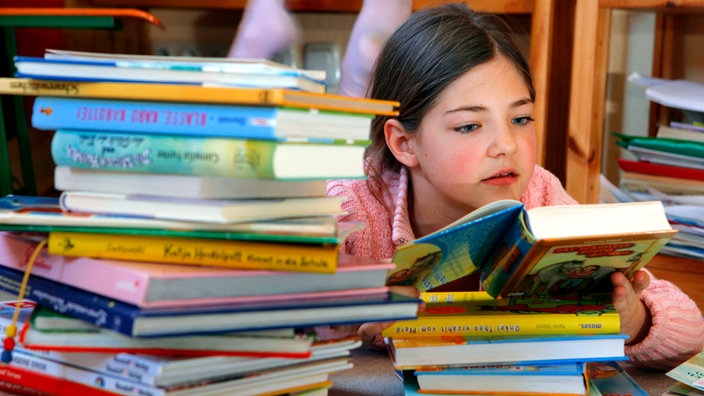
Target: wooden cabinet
588 83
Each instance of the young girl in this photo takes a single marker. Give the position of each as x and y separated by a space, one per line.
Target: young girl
465 137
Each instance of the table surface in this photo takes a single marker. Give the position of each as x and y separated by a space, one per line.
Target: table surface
373 375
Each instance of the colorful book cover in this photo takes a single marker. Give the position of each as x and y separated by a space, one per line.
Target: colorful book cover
134 321
196 94
192 119
151 284
207 156
611 379
239 254
691 372
479 314
548 250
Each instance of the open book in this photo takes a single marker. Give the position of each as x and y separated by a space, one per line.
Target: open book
551 250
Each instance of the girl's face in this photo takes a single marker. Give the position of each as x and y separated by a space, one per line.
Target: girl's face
477 144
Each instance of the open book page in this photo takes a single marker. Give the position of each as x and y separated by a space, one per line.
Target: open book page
596 219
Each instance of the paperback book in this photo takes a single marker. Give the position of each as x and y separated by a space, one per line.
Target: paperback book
691 372
207 156
551 250
134 321
611 379
479 314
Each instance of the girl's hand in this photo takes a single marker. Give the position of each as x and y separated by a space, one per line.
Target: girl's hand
371 332
635 317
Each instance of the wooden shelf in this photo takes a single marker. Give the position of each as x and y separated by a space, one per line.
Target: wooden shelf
588 85
687 274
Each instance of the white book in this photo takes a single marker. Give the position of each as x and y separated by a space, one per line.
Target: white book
198 210
181 185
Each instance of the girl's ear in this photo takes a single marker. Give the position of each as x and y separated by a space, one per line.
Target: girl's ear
400 142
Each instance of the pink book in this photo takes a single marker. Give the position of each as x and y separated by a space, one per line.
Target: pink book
156 285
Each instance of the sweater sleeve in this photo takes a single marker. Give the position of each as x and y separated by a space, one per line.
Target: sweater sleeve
677 330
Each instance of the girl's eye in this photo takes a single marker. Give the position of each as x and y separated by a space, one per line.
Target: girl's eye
467 128
523 120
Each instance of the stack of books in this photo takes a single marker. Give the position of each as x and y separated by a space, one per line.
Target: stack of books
670 169
546 313
193 236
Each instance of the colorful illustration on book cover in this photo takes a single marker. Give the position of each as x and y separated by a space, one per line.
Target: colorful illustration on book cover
581 268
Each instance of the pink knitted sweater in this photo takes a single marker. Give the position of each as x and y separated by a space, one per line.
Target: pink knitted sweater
677 330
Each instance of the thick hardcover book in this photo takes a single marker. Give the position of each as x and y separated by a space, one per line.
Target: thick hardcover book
558 379
212 318
207 156
479 314
165 71
239 254
185 186
151 285
198 210
195 94
193 119
419 352
47 330
551 250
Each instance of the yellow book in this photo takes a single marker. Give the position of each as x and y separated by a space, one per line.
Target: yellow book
479 314
198 251
196 94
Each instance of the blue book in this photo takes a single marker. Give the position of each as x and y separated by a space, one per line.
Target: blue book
193 119
207 319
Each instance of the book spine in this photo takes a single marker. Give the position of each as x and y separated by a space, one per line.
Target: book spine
255 122
197 94
92 308
193 119
512 250
194 251
101 383
82 272
505 325
205 156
